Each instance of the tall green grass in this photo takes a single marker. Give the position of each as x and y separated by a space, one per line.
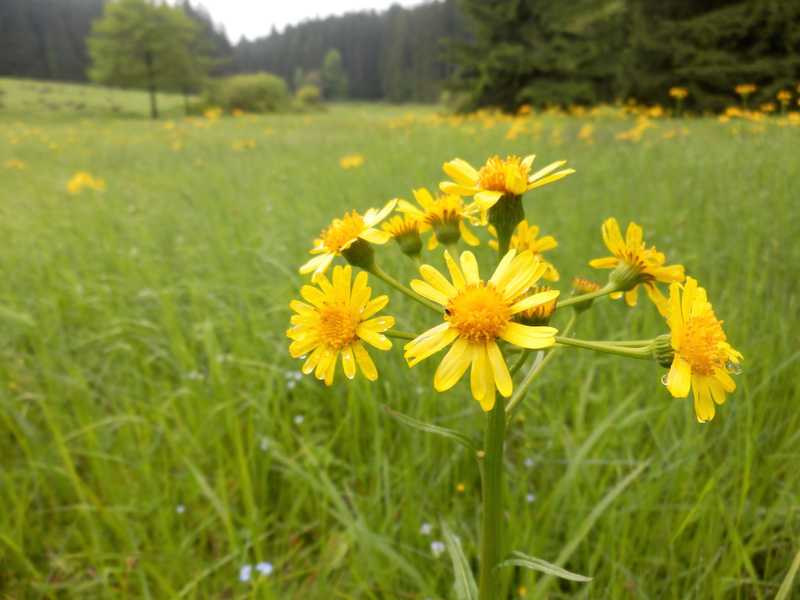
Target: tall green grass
154 438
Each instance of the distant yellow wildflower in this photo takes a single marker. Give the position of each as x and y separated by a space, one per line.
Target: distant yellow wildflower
335 320
212 113
445 215
240 145
15 164
745 89
784 96
679 93
702 354
498 177
83 180
342 233
526 237
635 264
476 315
351 161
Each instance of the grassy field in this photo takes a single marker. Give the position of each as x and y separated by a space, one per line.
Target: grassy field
155 437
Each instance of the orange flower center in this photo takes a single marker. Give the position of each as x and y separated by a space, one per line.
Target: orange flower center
702 344
479 313
343 231
446 209
338 326
504 175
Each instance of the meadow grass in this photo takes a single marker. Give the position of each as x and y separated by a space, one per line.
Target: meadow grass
155 439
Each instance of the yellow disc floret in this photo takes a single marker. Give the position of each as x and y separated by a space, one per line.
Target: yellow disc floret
338 326
341 232
479 313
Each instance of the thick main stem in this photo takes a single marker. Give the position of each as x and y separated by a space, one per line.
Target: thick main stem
492 518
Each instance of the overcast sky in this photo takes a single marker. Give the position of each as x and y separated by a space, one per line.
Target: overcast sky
254 18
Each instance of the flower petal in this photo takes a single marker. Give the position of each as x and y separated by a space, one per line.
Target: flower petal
348 362
425 289
373 338
534 300
453 366
679 378
502 377
703 402
429 343
469 266
528 336
364 361
375 236
461 171
437 280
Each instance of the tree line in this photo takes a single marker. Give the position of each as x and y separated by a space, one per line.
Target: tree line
502 53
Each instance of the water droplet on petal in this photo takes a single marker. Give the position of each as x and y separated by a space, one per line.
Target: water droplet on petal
664 379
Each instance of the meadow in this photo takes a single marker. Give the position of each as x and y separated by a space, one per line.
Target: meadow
156 437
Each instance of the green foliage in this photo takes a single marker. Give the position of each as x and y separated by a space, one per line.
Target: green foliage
333 76
527 51
254 92
138 44
309 95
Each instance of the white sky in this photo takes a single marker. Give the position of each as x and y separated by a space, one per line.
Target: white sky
255 18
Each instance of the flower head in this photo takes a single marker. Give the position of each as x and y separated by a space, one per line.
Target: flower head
526 237
745 89
405 231
702 353
541 313
445 215
351 161
336 319
498 177
342 233
15 164
82 180
784 96
476 314
679 93
635 264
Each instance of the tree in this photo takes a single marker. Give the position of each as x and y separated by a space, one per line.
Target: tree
334 79
141 45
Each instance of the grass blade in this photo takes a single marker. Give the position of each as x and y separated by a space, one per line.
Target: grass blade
465 586
518 559
786 586
428 428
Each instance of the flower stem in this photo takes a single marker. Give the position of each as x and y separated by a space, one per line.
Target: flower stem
640 352
492 518
604 291
537 367
523 356
400 335
381 274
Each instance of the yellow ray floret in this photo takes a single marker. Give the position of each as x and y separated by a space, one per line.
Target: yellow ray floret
476 314
526 237
335 320
343 233
498 177
703 356
644 265
446 215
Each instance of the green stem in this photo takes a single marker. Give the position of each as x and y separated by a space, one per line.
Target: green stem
537 368
640 353
523 356
604 291
492 518
381 274
400 335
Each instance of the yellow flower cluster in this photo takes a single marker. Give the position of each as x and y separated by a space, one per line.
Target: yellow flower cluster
483 320
83 180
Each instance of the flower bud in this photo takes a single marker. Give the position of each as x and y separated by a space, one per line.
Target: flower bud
360 254
662 350
581 286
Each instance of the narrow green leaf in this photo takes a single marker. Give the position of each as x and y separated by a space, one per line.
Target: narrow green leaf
465 586
428 428
786 586
518 559
19 318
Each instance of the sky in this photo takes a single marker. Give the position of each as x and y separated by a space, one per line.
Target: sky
255 18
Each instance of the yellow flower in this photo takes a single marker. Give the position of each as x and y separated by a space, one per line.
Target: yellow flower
82 180
446 215
526 238
213 113
336 319
541 313
342 233
635 264
702 354
784 96
405 231
14 164
498 177
679 93
351 161
476 315
745 89
581 285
